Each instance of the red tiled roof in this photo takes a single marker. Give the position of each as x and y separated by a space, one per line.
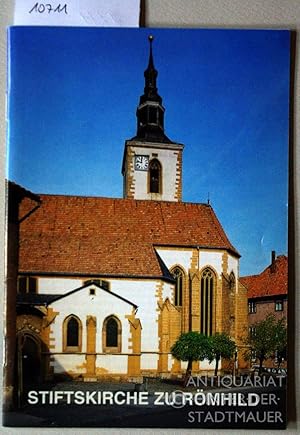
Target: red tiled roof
272 281
105 236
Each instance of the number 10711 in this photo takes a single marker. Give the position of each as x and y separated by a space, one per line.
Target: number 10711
48 8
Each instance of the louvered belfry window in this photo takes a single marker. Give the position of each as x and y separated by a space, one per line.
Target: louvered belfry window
155 176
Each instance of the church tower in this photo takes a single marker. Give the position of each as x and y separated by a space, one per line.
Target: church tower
152 163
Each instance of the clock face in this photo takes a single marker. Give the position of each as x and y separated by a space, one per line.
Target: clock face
141 163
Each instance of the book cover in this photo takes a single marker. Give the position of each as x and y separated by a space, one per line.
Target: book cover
147 228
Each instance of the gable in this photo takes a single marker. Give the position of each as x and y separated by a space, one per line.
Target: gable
85 292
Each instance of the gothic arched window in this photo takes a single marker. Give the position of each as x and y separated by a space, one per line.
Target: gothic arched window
206 302
155 175
111 334
72 331
178 276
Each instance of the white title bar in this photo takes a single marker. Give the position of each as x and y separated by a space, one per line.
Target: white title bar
108 13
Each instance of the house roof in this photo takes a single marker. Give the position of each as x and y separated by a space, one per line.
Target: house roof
273 281
36 299
106 236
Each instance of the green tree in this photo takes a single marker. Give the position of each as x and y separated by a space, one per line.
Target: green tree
191 346
268 336
222 346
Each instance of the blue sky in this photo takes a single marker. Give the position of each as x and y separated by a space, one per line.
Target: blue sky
73 94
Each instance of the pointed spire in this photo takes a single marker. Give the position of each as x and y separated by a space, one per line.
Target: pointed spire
150 111
151 63
150 74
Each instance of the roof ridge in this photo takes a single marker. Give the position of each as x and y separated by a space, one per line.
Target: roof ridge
249 276
129 200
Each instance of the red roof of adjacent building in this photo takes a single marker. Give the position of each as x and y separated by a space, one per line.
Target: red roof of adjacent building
273 281
105 236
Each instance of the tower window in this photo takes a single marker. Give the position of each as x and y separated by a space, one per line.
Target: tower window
161 118
178 275
155 176
152 115
72 330
143 116
206 302
111 334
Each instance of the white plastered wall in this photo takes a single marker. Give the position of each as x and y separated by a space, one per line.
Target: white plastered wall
57 286
173 257
100 305
213 259
183 258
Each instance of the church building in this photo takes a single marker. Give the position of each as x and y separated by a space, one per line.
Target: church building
105 286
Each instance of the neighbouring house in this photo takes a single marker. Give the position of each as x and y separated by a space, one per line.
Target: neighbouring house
267 294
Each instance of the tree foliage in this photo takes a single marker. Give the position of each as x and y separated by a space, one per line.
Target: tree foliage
191 346
222 346
269 336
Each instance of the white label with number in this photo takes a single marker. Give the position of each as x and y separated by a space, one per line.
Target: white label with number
108 13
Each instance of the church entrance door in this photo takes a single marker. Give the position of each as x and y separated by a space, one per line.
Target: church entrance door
29 364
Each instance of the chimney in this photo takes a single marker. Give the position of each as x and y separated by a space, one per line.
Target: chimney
273 258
